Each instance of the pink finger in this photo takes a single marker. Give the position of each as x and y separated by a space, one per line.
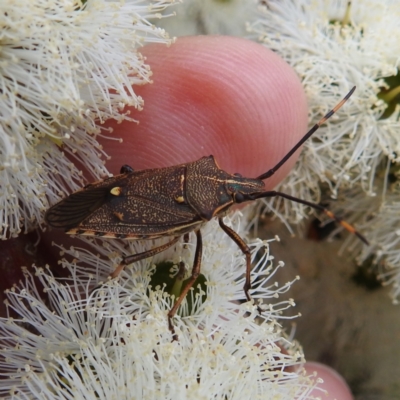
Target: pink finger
214 95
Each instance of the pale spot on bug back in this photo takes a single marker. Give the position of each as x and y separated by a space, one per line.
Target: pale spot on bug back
116 191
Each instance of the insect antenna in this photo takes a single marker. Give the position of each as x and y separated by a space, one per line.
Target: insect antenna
269 173
318 207
306 137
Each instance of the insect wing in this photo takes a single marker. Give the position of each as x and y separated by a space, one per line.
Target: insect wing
72 210
141 204
150 204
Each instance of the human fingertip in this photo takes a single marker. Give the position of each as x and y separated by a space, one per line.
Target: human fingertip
333 385
218 95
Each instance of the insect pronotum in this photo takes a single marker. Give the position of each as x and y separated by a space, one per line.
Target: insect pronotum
171 201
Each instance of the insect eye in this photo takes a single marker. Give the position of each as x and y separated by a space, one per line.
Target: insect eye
126 169
239 197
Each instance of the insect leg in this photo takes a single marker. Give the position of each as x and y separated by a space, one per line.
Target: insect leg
245 250
329 213
192 280
141 256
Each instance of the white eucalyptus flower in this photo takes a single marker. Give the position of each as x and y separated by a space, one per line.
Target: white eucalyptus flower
65 67
334 45
330 58
210 17
112 340
380 217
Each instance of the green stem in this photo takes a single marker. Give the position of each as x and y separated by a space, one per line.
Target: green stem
346 17
390 95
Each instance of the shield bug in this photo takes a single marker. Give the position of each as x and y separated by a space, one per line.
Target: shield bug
172 201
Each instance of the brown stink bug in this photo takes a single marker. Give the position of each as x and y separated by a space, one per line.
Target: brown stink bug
170 201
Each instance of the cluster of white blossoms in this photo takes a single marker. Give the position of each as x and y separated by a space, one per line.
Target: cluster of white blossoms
354 157
66 66
210 17
83 339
